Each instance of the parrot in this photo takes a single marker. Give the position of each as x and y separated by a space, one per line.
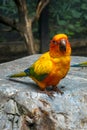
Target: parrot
82 64
51 66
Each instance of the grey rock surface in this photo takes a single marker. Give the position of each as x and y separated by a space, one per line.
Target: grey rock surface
22 107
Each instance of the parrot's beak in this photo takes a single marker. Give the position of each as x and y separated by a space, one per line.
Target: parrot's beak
63 45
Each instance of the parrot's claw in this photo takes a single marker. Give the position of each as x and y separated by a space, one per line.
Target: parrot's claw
49 93
56 89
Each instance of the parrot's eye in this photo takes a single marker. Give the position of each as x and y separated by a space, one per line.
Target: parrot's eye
54 42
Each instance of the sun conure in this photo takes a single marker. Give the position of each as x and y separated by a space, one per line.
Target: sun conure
51 66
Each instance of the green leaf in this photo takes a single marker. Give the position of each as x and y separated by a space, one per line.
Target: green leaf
71 26
76 14
61 22
77 1
84 6
71 33
85 16
68 17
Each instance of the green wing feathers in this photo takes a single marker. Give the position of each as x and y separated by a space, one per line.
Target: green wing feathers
39 70
29 72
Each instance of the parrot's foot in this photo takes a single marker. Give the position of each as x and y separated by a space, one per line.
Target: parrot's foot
56 89
49 93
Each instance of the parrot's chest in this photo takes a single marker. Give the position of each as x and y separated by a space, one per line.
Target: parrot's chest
62 67
59 71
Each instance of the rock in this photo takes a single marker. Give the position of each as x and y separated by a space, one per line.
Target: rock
22 107
11 108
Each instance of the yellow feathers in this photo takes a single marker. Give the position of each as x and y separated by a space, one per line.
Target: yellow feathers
59 36
43 64
53 65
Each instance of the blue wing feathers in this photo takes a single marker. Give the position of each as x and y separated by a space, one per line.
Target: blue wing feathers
30 72
27 71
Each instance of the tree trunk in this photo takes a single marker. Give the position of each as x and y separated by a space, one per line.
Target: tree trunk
24 23
28 37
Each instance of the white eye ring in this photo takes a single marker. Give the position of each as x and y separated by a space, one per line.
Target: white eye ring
54 42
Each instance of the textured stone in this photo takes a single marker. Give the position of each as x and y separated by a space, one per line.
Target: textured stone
11 108
22 107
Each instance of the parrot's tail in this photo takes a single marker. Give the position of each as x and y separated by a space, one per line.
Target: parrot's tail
82 64
21 74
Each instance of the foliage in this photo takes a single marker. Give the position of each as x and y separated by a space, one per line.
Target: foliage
68 16
65 16
8 8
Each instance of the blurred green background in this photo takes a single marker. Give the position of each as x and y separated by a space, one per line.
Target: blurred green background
64 16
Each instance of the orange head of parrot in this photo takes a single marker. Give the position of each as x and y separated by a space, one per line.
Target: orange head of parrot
60 46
